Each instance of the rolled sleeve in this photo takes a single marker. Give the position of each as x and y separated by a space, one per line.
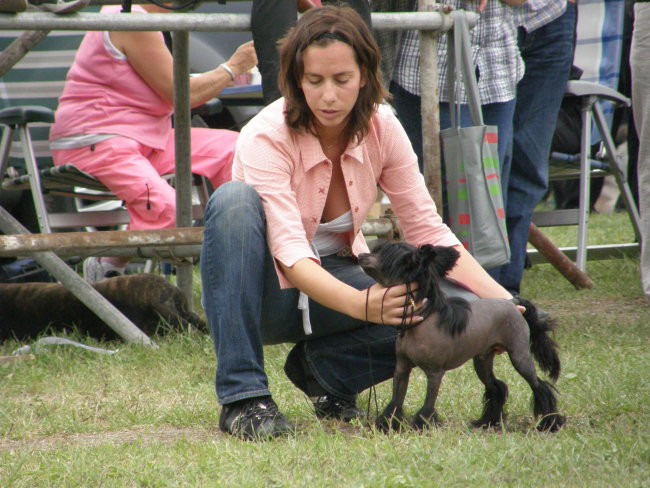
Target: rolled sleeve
405 187
266 161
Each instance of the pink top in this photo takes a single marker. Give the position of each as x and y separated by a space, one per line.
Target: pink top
104 95
292 175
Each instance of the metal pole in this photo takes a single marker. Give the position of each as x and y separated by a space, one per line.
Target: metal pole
182 141
16 245
200 21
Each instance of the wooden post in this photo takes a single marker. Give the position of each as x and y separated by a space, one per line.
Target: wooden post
429 107
558 259
18 48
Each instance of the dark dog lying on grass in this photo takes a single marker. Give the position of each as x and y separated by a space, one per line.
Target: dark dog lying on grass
153 305
454 331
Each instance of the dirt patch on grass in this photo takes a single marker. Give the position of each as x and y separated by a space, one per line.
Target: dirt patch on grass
165 435
587 305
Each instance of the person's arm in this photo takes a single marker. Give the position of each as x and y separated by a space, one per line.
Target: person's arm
471 275
385 306
418 216
150 58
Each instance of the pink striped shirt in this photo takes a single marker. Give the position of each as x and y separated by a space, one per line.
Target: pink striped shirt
292 175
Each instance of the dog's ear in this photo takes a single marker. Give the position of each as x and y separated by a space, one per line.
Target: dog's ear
443 259
427 254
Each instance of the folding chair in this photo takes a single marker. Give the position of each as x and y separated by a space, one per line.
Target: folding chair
584 167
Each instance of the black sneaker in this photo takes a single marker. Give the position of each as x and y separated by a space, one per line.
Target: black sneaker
254 419
331 407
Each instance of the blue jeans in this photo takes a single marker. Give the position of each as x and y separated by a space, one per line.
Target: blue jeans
548 54
246 309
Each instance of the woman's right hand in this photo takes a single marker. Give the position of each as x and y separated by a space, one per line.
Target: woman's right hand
392 306
243 59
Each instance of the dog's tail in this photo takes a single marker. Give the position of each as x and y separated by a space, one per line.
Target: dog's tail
544 349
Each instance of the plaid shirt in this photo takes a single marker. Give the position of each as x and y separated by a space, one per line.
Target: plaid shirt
534 14
494 51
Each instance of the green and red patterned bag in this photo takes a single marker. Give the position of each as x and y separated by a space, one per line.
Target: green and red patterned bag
471 161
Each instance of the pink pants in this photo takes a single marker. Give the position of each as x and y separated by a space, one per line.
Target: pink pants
133 171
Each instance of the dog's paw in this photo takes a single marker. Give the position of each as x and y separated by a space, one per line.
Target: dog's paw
422 421
391 420
487 424
551 422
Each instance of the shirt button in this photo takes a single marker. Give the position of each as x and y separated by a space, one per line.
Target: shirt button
314 220
356 209
350 183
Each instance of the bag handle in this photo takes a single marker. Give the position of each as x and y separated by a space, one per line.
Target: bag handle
460 67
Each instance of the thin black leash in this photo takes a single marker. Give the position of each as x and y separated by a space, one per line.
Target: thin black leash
373 391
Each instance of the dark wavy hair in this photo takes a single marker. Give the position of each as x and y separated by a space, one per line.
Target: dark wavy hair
321 27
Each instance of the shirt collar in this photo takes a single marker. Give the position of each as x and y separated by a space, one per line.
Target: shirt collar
312 152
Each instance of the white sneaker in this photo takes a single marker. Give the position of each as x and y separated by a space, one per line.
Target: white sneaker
95 271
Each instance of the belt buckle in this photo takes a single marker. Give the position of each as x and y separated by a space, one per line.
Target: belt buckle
346 252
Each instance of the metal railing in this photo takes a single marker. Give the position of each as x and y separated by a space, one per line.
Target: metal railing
431 23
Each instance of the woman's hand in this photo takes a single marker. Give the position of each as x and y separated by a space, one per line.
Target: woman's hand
392 306
243 59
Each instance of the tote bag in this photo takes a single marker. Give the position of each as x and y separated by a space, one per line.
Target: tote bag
471 162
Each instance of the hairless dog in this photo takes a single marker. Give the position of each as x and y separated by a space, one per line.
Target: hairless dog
454 331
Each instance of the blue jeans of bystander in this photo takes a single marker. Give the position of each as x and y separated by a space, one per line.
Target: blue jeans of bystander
548 54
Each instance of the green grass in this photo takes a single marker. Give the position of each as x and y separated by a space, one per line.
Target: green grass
149 417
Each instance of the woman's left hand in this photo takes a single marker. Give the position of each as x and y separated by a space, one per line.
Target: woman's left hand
243 59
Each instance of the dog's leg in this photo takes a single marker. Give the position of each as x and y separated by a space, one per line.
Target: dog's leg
427 416
544 401
496 392
392 418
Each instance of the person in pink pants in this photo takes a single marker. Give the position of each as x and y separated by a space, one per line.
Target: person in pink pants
113 121
133 171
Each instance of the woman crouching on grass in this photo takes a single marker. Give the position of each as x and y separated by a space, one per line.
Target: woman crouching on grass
306 173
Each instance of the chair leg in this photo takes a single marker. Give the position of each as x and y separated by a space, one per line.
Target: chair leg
5 147
585 183
34 179
617 170
204 194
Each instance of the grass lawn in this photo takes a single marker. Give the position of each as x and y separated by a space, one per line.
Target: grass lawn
149 417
